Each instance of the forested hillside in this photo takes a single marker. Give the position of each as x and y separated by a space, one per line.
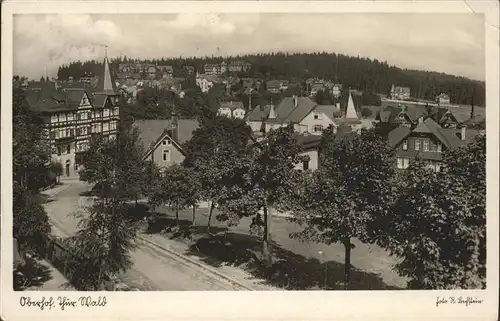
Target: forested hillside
356 72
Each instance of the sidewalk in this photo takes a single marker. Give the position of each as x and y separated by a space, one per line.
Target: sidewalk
235 273
57 282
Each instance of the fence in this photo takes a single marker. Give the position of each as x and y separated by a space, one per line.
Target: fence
60 257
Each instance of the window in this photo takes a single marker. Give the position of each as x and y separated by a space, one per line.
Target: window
305 165
53 119
68 149
315 116
166 155
59 150
403 163
405 144
426 145
318 128
439 147
417 144
167 142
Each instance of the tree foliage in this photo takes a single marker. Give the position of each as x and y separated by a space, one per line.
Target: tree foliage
341 199
178 189
212 153
101 248
103 244
356 72
438 222
30 151
31 225
264 179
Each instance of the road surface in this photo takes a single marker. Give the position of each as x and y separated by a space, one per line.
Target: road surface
152 270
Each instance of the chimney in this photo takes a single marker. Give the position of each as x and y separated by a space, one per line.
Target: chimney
462 135
295 101
420 119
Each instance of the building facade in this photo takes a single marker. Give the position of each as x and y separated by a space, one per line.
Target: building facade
400 93
73 115
427 141
163 139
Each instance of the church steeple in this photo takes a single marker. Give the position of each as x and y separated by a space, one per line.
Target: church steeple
106 84
351 110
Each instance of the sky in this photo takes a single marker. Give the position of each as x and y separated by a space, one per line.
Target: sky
443 42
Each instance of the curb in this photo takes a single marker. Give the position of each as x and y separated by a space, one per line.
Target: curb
66 186
202 266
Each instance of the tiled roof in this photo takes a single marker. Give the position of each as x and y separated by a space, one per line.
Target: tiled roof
259 113
152 129
330 111
49 99
446 137
273 83
98 100
287 106
396 135
308 141
304 107
232 104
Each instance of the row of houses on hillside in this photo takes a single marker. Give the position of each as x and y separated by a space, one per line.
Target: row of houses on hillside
306 116
163 140
224 67
314 85
404 93
410 116
138 70
73 113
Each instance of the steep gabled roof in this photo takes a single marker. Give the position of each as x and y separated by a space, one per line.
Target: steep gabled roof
106 83
259 113
287 106
304 107
430 126
396 135
153 131
330 111
232 105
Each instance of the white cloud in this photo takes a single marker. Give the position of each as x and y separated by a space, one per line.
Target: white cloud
451 43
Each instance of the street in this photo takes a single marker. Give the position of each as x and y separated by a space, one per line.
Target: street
366 257
151 269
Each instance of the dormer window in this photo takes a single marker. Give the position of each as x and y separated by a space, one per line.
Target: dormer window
405 144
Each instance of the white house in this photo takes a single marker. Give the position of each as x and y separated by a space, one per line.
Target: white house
232 109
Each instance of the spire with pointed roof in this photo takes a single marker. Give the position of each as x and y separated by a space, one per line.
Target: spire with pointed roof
272 113
350 111
106 84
